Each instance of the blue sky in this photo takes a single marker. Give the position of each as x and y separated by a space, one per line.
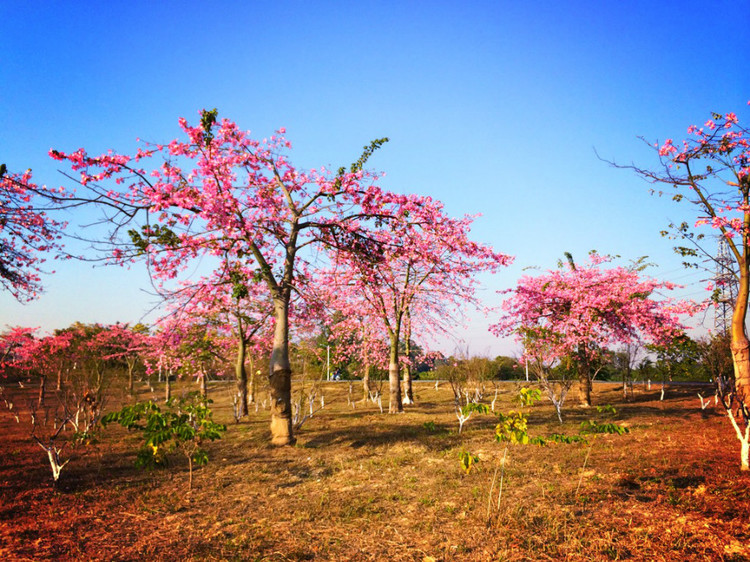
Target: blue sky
493 107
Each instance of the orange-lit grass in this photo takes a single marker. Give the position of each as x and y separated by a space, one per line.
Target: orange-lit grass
360 485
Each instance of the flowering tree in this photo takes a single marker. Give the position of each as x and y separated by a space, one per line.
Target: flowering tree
221 193
27 233
13 344
124 344
421 267
711 169
234 306
71 416
576 312
358 333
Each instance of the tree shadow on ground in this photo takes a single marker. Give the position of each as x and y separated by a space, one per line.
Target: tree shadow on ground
380 435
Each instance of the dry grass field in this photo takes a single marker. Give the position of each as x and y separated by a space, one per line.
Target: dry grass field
361 485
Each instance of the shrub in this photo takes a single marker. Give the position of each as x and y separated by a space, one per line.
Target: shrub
183 426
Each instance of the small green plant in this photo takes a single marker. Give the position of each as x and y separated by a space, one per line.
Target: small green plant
558 438
467 461
475 408
512 427
607 409
591 426
430 426
465 412
528 396
183 426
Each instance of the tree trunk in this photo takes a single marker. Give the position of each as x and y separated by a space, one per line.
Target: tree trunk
366 384
584 382
395 405
241 374
59 379
167 389
204 384
280 377
253 383
42 385
131 374
408 393
740 345
745 456
584 390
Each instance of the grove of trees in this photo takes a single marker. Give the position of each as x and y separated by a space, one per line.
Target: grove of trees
295 258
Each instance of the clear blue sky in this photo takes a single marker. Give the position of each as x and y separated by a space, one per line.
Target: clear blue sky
493 107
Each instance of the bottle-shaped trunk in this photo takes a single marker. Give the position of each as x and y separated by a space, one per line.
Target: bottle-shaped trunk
584 390
280 377
740 345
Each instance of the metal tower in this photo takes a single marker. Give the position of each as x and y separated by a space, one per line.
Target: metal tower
726 289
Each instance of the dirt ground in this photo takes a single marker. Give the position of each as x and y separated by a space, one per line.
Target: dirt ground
361 485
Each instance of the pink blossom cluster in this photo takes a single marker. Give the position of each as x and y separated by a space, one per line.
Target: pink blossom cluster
582 310
27 233
720 150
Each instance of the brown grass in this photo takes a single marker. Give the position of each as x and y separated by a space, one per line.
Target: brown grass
360 485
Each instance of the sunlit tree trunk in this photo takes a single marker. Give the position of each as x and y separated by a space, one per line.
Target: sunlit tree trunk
366 383
204 384
740 345
253 382
241 374
408 393
584 380
395 405
280 377
131 361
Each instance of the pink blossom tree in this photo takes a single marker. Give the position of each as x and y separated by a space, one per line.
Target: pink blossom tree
13 343
218 192
235 306
121 343
711 170
577 312
27 233
423 266
357 330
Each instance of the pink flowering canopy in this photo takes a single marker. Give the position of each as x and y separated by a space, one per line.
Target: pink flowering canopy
585 309
219 194
27 233
222 193
720 150
426 264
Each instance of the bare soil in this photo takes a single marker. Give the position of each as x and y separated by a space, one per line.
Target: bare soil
361 485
